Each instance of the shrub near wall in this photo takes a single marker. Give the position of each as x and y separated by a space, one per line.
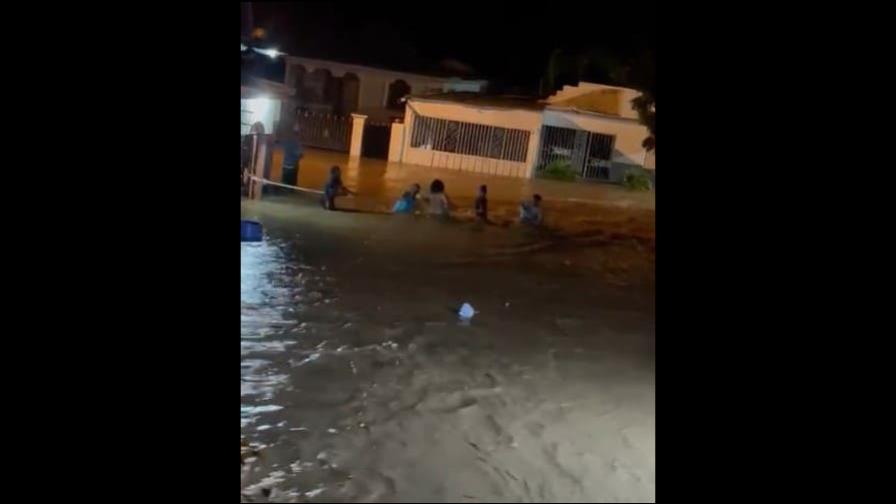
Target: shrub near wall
558 169
637 180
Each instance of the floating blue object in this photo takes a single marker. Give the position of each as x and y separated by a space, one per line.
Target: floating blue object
251 231
466 311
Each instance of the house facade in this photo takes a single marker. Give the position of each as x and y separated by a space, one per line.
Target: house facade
591 129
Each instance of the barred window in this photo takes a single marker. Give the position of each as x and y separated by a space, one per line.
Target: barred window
470 139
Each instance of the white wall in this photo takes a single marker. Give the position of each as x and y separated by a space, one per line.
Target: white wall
264 110
628 132
396 142
627 149
506 118
625 96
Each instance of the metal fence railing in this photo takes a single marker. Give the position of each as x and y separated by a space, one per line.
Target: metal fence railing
586 153
469 139
324 131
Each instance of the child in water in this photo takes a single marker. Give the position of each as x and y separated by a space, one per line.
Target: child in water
334 188
408 200
482 204
439 204
530 211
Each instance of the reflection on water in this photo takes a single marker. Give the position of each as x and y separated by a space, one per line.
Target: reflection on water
359 383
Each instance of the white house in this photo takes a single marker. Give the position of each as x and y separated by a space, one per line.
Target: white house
590 127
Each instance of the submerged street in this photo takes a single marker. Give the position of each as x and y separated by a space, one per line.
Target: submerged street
359 383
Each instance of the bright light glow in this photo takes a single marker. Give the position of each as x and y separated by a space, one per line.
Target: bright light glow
271 53
262 109
259 108
242 47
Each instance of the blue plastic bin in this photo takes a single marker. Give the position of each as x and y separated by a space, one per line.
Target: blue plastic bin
251 231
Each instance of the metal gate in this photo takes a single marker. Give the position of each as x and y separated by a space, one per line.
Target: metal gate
375 143
324 131
588 154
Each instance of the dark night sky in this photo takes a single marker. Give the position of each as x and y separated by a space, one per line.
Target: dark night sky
506 42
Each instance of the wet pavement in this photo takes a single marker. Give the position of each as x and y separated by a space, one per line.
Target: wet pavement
359 383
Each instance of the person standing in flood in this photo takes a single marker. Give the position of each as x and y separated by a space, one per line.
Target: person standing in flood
481 205
292 154
334 188
439 204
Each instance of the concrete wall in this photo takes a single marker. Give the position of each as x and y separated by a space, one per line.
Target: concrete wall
591 96
629 133
506 118
396 142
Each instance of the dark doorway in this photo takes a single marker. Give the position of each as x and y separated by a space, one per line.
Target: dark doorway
376 140
397 91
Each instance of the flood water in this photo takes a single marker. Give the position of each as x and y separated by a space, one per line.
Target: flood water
359 383
568 205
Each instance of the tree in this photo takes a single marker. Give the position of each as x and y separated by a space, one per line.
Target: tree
597 65
550 80
643 78
645 105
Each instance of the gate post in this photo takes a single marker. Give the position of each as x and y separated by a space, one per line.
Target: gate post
261 162
396 142
532 151
357 135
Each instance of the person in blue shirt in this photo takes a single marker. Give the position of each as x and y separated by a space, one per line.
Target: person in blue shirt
407 203
530 211
292 154
334 188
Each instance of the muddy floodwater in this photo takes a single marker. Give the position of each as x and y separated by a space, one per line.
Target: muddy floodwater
359 382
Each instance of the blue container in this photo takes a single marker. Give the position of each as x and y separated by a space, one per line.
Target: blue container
251 231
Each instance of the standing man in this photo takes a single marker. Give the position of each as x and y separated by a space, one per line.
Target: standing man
292 153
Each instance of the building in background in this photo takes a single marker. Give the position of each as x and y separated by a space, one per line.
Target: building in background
591 129
327 93
343 88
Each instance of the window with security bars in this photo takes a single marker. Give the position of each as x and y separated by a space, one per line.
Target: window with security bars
588 154
470 139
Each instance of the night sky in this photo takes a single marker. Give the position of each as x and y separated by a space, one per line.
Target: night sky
507 43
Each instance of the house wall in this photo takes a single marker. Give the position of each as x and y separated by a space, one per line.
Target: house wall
597 97
629 133
627 149
396 142
529 120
